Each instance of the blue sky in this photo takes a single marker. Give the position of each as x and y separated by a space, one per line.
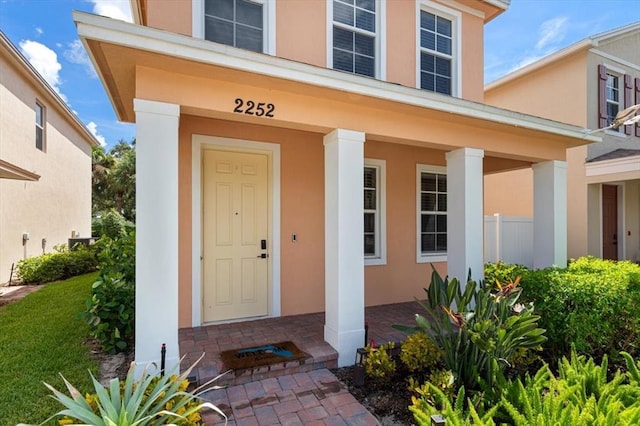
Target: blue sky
44 31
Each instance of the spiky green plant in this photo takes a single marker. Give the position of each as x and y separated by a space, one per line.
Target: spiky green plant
151 400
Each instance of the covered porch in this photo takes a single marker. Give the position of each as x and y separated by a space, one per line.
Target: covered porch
306 331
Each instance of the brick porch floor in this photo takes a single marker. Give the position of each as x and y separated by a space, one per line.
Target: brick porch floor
293 393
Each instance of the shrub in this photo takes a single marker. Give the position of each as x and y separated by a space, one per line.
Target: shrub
110 311
488 328
591 305
419 352
378 363
151 400
59 265
110 223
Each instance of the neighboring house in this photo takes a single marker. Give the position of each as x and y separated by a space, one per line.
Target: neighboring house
45 164
585 84
309 156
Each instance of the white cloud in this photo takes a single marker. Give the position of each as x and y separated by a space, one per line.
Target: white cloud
116 9
77 55
93 128
552 31
39 30
45 61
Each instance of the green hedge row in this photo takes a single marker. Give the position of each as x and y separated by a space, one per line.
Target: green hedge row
591 305
59 265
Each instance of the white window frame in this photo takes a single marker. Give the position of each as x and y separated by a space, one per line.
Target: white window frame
456 44
422 257
380 257
619 74
268 23
380 38
41 126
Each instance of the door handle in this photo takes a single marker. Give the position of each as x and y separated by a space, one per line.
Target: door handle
262 256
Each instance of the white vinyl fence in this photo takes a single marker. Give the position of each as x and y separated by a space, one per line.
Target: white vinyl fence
508 238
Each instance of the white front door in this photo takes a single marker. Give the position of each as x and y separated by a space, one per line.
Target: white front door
235 235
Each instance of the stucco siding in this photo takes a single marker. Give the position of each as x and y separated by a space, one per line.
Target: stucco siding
60 201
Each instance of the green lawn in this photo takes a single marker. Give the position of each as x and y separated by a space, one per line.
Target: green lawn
41 336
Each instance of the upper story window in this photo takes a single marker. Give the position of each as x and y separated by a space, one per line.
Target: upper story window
432 213
436 53
374 212
238 23
40 121
355 37
612 90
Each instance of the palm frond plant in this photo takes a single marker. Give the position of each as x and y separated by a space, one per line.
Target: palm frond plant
152 399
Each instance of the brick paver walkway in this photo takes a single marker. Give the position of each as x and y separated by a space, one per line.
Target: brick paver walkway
315 398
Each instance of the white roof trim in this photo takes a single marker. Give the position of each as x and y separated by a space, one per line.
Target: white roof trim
162 42
616 165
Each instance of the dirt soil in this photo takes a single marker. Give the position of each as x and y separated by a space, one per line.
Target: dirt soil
388 400
12 294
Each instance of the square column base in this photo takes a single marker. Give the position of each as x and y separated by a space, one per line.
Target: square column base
346 343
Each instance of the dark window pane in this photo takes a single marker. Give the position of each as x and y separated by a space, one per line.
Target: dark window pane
427 20
249 38
612 111
219 8
428 223
427 82
370 199
342 60
39 115
443 67
364 66
427 62
218 31
428 243
428 202
342 39
364 45
343 13
444 45
441 223
367 4
369 223
443 85
612 94
442 183
442 202
428 182
369 245
370 177
441 242
444 26
39 138
427 40
249 13
365 20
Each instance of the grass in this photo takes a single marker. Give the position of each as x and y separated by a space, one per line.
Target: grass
40 337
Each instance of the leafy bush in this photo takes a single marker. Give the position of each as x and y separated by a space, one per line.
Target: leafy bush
580 395
378 363
59 265
152 400
419 352
111 223
488 328
591 305
110 311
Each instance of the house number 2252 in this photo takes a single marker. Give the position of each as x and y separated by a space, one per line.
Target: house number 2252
259 109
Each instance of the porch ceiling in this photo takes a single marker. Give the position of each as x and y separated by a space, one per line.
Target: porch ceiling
205 78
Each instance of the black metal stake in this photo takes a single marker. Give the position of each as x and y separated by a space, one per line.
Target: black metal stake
366 333
163 356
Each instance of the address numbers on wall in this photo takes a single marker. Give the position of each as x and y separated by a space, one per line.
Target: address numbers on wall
259 109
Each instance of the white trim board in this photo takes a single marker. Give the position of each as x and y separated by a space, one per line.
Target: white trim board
200 142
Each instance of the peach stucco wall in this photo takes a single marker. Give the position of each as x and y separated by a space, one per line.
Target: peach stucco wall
301 34
302 212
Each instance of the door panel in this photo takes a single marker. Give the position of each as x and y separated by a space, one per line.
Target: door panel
610 222
235 220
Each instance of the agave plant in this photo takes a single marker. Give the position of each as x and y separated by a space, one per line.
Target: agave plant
151 400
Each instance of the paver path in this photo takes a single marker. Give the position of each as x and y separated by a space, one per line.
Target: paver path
315 398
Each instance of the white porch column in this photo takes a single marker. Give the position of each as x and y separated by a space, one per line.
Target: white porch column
156 232
550 214
465 216
344 243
